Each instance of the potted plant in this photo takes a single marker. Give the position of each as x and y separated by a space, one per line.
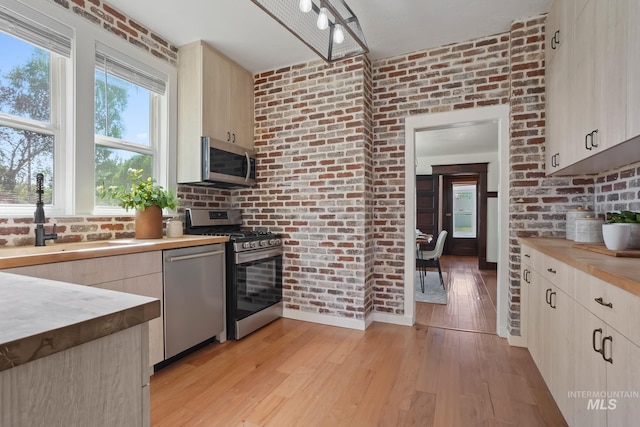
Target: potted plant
617 223
146 197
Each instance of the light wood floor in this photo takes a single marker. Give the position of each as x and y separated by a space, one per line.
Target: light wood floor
293 373
471 301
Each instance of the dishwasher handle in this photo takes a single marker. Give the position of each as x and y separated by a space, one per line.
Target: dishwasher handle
186 257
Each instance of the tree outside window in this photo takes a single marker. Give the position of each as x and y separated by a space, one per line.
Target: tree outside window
123 117
27 135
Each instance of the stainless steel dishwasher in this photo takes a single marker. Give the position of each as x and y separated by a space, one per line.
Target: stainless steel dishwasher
194 300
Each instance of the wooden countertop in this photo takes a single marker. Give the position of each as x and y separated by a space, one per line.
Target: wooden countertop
40 317
20 256
621 272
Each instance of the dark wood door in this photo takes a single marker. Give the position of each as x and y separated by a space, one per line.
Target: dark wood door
427 203
458 245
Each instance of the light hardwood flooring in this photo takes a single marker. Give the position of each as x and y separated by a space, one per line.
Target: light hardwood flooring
293 373
471 298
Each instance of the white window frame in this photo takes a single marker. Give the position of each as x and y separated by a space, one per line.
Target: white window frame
59 108
155 121
74 190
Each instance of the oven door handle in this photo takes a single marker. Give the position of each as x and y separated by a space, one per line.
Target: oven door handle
186 257
244 257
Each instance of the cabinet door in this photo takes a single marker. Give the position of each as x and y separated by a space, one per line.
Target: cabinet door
611 72
561 351
633 65
623 375
535 324
583 72
559 26
242 106
589 367
149 285
216 93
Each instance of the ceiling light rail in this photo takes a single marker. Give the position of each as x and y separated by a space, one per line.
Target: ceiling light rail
328 27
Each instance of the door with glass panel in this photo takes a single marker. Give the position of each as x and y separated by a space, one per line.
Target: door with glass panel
461 215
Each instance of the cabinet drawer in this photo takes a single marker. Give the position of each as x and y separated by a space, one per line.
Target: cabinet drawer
527 255
556 272
613 305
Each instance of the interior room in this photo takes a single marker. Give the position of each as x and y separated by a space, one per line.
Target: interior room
319 212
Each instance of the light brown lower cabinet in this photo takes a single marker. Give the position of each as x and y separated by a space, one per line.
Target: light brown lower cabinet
582 335
104 382
139 274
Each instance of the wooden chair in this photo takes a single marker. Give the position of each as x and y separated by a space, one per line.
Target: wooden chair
431 259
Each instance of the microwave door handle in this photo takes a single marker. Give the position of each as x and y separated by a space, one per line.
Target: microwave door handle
206 154
246 177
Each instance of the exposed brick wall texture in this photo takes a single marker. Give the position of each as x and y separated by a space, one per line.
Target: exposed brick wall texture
314 179
115 22
618 190
21 231
463 75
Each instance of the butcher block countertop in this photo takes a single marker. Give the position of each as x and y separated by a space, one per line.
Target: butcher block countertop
40 317
21 256
621 272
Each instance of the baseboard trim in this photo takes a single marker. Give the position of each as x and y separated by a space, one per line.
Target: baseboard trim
324 319
517 341
394 319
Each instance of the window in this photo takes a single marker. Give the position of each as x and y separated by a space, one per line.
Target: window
127 113
80 105
32 64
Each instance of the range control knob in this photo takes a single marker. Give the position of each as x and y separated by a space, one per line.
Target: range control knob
246 245
275 242
254 245
263 243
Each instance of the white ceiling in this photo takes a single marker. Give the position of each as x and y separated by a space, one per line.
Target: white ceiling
243 32
464 138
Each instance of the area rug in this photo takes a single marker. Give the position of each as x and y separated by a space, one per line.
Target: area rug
433 291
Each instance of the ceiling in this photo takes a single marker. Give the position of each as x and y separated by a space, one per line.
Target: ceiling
243 32
463 138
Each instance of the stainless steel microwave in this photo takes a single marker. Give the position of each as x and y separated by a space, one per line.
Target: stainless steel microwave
227 165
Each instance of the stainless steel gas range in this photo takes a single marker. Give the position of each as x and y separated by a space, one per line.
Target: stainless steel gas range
253 266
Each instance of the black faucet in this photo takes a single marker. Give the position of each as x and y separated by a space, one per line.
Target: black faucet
39 218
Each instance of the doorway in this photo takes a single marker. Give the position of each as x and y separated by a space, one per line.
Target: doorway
497 208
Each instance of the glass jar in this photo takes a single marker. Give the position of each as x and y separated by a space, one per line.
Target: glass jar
174 227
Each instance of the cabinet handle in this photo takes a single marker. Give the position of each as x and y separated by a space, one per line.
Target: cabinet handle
586 142
610 358
601 302
552 300
551 270
234 138
527 256
555 40
526 275
547 297
228 136
593 340
594 138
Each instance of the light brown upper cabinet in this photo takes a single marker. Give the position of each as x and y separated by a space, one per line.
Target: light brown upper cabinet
215 98
589 85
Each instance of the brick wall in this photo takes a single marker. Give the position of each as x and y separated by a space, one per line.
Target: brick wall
21 231
313 137
618 190
463 75
115 22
